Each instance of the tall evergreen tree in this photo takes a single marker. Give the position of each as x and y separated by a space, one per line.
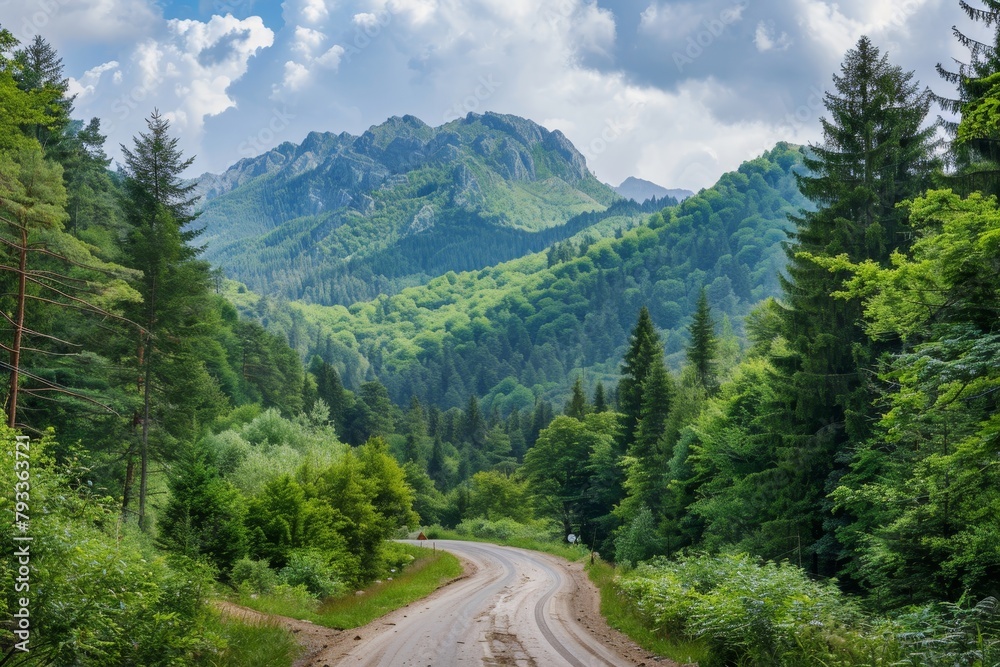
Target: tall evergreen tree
577 406
646 480
702 350
600 401
39 68
976 147
645 352
436 465
473 424
875 154
158 206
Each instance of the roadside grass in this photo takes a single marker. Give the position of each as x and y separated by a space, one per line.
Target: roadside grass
624 618
429 571
248 644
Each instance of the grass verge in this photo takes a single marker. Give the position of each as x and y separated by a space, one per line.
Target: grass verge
249 644
626 619
428 572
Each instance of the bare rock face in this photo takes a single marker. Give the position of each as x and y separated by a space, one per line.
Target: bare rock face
422 221
345 197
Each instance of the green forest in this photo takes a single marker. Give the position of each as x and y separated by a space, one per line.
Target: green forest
773 407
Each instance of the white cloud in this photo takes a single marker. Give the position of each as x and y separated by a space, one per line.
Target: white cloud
314 11
87 84
307 41
765 40
331 59
296 75
596 30
839 28
670 21
185 68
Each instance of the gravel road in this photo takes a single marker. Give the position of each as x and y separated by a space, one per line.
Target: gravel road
512 607
516 607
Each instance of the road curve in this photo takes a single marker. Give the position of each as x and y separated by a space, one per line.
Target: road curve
514 609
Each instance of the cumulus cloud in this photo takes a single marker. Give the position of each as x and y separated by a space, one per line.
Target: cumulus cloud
86 85
765 40
602 71
184 67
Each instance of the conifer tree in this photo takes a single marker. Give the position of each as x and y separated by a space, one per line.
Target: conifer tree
600 401
702 350
158 206
645 353
975 150
875 154
646 481
577 407
436 465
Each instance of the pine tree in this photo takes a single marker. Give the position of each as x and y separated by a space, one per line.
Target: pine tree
874 155
644 353
975 150
577 406
646 481
702 350
436 465
600 402
39 68
473 425
158 205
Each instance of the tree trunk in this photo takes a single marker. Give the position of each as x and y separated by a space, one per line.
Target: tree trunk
15 348
144 442
129 480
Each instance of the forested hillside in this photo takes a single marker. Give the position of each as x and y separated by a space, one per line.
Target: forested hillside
772 406
523 329
340 218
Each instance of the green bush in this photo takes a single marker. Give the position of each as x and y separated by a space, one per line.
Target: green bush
309 568
638 541
255 576
99 596
508 529
751 612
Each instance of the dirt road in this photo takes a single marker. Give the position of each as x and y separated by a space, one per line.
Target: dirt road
513 607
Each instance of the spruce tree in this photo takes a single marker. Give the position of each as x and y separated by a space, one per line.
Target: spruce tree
39 68
646 481
975 149
577 407
157 204
701 352
644 353
875 154
436 465
600 401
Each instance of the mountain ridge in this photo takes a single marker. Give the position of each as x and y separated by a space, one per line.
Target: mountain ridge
340 204
640 190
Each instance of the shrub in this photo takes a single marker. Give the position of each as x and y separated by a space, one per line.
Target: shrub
751 612
255 576
508 529
308 568
638 541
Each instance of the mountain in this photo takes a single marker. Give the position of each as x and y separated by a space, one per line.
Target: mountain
640 190
341 218
523 329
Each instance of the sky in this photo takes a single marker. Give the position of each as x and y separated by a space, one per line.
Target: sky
675 92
